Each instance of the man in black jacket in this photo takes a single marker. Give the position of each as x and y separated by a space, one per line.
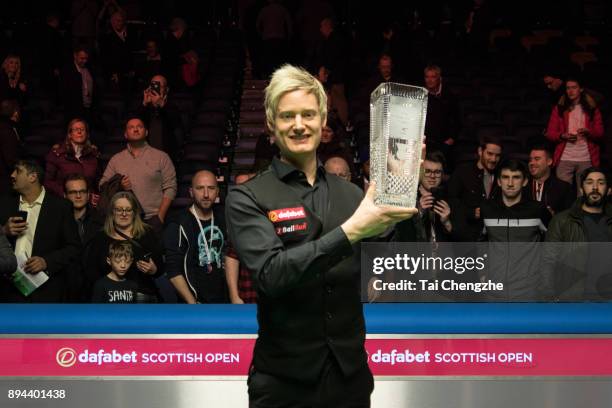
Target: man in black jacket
513 223
544 186
298 228
77 83
470 185
47 239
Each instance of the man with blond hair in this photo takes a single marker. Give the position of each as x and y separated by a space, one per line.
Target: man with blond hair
298 229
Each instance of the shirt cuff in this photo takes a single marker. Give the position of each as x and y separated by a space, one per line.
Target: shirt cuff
336 242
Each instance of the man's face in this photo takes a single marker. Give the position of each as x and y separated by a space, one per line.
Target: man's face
539 163
339 167
298 124
385 67
21 178
595 189
204 190
81 58
489 156
12 65
511 183
117 22
432 80
77 193
151 49
552 83
135 130
327 134
573 90
326 28
432 175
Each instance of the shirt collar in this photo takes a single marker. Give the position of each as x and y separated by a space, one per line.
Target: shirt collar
129 148
284 170
39 200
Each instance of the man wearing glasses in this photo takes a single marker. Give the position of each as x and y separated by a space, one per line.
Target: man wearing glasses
434 221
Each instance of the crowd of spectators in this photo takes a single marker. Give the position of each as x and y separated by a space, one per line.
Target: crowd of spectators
128 122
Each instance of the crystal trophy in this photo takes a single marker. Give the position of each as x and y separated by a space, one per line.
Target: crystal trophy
397 126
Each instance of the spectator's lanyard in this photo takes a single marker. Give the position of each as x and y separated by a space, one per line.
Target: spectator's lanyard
209 267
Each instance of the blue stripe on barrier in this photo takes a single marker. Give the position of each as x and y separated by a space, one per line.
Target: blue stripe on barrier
405 318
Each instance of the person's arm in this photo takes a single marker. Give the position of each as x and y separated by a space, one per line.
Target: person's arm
555 126
169 187
109 172
52 183
180 284
596 128
232 270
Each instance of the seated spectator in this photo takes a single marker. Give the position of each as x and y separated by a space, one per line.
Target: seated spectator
470 185
75 156
512 217
575 271
576 126
76 190
12 83
11 146
153 64
544 186
161 117
46 241
443 120
123 223
239 278
78 86
146 171
196 243
114 287
333 144
338 166
116 49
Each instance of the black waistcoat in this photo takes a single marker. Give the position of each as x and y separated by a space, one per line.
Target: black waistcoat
298 330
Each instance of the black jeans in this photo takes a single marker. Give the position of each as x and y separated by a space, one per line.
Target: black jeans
332 390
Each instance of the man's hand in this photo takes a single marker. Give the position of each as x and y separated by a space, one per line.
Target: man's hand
126 183
426 201
34 265
15 226
443 210
370 220
236 300
477 213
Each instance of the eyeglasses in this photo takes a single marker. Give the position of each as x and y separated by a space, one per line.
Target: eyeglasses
123 210
76 192
78 129
433 173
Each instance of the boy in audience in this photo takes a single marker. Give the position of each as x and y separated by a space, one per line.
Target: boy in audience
114 288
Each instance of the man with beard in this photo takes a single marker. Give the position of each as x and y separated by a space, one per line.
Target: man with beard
470 185
512 224
575 271
195 245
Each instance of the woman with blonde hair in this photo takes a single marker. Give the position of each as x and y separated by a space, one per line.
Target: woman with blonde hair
124 222
12 84
75 156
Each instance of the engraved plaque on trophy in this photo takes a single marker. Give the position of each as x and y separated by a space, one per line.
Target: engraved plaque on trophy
397 126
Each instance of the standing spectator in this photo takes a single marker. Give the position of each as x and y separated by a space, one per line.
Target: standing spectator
442 122
11 145
513 218
470 185
553 80
575 270
385 73
239 279
576 126
116 51
195 245
161 117
12 82
544 185
145 170
76 190
77 84
333 54
48 239
75 155
153 64
123 223
114 287
275 29
84 14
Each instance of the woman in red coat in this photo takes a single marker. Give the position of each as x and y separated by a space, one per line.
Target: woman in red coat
575 125
76 155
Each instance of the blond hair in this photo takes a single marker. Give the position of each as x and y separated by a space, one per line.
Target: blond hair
138 226
289 78
14 81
